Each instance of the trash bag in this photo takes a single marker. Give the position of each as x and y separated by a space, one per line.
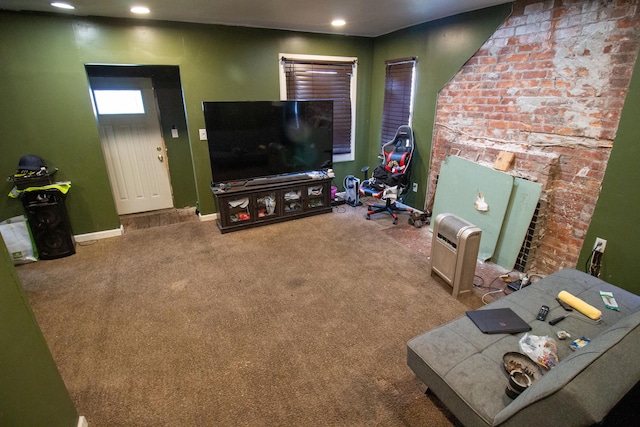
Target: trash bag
17 237
542 350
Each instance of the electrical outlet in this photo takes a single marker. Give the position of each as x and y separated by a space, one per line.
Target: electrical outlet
415 187
203 134
600 245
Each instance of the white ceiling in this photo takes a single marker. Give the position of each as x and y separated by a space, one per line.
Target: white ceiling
369 18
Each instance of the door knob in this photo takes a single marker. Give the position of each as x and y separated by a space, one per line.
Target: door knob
161 157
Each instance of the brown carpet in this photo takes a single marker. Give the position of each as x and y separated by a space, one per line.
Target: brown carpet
293 324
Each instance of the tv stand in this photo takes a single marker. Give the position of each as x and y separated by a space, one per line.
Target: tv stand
278 179
271 200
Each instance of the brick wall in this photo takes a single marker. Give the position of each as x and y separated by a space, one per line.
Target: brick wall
549 86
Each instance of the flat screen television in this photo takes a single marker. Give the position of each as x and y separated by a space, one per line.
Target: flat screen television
252 139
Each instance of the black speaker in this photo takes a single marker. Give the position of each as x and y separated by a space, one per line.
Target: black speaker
49 222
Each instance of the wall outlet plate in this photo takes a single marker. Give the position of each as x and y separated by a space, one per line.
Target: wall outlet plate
600 245
415 187
203 134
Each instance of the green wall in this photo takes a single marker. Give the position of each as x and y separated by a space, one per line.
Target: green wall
616 215
46 107
32 392
441 48
49 108
227 63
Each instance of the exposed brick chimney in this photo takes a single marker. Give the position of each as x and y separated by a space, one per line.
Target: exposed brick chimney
549 86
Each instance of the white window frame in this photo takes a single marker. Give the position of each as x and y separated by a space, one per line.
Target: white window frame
347 157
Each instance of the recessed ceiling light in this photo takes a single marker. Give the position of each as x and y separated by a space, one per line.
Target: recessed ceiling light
338 22
62 5
140 9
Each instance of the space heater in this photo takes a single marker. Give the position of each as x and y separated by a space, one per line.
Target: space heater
454 250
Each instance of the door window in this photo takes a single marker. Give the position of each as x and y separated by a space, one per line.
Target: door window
119 101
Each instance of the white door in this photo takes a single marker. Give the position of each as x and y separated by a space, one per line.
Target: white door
132 143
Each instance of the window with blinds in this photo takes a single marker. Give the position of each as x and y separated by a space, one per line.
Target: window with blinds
398 96
318 78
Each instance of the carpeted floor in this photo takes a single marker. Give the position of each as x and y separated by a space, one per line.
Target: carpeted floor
298 323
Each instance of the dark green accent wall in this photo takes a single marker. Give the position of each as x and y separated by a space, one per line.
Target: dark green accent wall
616 215
242 64
441 48
46 107
32 392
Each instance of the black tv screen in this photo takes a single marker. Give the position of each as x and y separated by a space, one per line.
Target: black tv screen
250 139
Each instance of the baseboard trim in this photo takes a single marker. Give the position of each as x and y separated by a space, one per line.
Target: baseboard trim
82 421
99 235
208 217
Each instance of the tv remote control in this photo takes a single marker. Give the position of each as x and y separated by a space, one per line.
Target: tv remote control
542 314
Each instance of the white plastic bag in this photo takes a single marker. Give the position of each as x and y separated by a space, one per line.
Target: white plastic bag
17 237
542 350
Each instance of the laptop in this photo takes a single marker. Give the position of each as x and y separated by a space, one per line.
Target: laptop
498 321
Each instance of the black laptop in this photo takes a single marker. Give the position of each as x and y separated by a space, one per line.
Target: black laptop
498 321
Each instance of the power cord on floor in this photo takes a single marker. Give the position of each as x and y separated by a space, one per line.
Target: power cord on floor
490 288
481 285
490 293
525 281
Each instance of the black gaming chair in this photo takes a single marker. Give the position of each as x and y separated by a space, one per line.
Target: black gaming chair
391 178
